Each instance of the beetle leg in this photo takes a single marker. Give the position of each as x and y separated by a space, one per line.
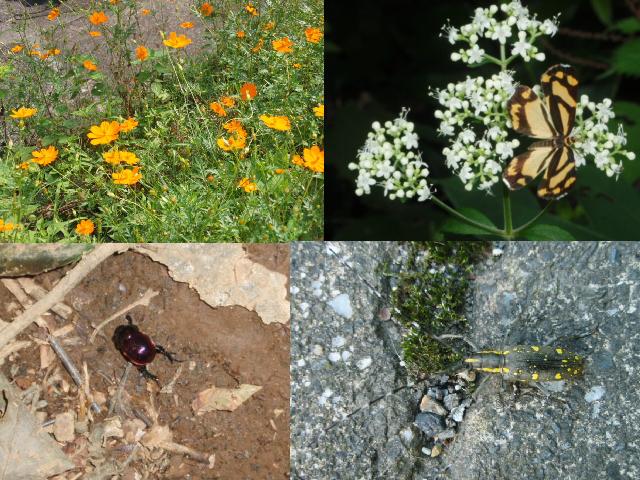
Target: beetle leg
169 355
129 319
147 374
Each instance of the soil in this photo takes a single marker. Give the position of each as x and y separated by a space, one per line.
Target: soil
225 347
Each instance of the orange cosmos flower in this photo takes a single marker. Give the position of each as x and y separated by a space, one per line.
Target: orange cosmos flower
276 122
227 101
283 45
85 227
127 176
206 9
279 171
6 227
17 48
258 46
240 34
218 109
319 110
53 51
186 25
297 65
128 125
314 159
269 26
177 41
116 157
44 156
98 17
53 14
247 185
248 91
89 65
236 142
105 133
142 53
95 33
234 126
145 11
314 35
23 112
251 9
297 160
24 166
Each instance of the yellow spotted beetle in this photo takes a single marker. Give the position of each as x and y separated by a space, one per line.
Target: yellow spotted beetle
525 363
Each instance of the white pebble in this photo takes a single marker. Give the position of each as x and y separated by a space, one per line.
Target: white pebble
334 357
594 393
302 362
496 252
338 342
364 363
345 355
341 305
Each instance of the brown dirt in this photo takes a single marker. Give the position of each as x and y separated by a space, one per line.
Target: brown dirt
228 346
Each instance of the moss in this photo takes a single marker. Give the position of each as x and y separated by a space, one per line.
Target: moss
429 301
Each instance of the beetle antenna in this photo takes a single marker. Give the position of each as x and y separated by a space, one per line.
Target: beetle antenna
129 319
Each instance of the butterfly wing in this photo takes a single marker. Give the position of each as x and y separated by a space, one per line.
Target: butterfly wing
529 116
560 175
527 166
560 88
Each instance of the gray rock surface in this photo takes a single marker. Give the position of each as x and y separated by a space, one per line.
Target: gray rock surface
534 293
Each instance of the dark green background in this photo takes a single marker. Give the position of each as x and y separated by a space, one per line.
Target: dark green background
381 56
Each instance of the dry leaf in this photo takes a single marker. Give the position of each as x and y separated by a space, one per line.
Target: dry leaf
222 398
26 452
224 275
64 426
47 356
112 428
157 436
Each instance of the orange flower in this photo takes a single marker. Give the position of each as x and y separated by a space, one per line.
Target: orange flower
44 156
218 109
319 110
232 143
297 160
95 33
314 35
85 227
276 122
23 112
234 126
247 185
258 46
105 133
248 91
127 176
240 34
17 48
142 53
53 14
297 65
283 45
89 65
314 159
177 41
98 17
128 125
53 51
6 227
279 171
251 9
186 25
113 2
145 11
24 166
116 157
269 26
206 9
227 101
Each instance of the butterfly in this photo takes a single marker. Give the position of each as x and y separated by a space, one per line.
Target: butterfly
550 119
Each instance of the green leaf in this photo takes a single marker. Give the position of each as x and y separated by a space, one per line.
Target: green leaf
628 25
453 225
603 10
626 58
546 232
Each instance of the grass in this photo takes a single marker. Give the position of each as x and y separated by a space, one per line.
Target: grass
196 184
430 298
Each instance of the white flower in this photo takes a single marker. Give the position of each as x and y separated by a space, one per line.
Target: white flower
522 47
502 32
475 54
387 160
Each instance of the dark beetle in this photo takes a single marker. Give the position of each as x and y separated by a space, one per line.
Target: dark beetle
138 348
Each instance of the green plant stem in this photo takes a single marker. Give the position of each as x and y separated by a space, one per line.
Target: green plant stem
464 218
506 198
532 221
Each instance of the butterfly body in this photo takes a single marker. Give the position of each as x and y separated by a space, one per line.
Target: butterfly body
550 120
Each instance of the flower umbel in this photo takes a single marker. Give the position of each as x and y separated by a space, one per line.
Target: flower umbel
389 159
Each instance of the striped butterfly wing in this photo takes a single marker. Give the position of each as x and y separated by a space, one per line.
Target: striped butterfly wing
560 175
560 88
527 166
529 115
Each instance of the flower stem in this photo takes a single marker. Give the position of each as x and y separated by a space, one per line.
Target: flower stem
506 198
464 218
532 221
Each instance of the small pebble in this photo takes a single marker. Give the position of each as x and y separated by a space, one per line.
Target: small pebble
427 404
429 423
334 357
338 342
364 363
341 305
436 450
458 413
594 393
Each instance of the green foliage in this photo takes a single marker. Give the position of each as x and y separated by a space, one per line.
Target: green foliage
430 297
603 10
626 58
546 232
189 189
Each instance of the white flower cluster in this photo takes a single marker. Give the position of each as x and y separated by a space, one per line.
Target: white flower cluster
518 26
592 137
476 120
388 160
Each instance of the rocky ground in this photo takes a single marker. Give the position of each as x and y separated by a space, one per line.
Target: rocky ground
346 359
